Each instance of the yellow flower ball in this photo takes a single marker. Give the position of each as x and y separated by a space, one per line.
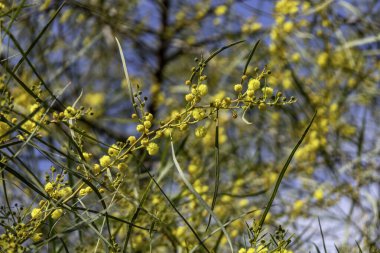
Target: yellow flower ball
202 90
267 91
189 97
96 169
56 214
152 148
254 84
200 132
318 194
288 26
238 88
37 237
36 212
140 128
65 192
262 106
131 139
105 161
113 150
147 124
49 187
220 10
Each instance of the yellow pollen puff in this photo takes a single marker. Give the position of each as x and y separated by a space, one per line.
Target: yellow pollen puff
318 194
189 97
238 87
243 202
296 57
262 106
202 90
145 142
298 205
57 213
147 124
288 26
322 59
49 187
113 150
254 84
152 148
140 128
200 132
36 212
256 26
96 168
250 93
105 161
198 114
131 139
65 192
87 156
37 237
267 91
193 168
69 112
149 117
221 10
122 166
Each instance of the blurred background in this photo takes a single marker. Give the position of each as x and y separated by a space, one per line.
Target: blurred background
324 53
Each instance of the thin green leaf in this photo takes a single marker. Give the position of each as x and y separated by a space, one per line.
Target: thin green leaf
217 167
337 250
323 237
316 247
179 213
250 56
360 250
199 198
215 54
126 75
135 215
282 173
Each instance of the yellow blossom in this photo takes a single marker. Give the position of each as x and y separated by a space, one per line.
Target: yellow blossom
70 112
256 26
49 187
318 194
298 205
65 192
322 59
238 87
267 91
113 150
122 166
87 156
105 161
96 169
140 128
56 214
254 84
198 114
152 148
36 212
221 10
202 90
200 132
131 139
288 26
37 237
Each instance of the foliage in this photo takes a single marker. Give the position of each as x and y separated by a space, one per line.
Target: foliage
126 144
